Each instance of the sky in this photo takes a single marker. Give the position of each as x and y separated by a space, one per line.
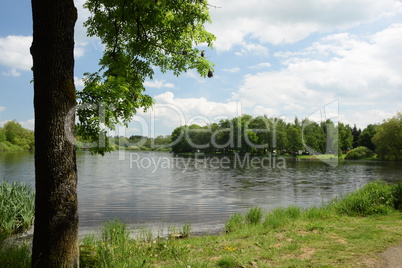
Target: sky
315 59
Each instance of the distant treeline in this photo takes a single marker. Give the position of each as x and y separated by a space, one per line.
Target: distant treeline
135 142
247 134
13 137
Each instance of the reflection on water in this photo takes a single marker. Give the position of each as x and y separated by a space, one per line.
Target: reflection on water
153 187
17 166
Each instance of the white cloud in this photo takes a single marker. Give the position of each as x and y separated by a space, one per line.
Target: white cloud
172 112
2 108
82 40
12 72
29 124
14 53
254 49
263 110
158 84
373 116
289 21
232 70
260 65
14 49
361 73
79 50
79 82
196 76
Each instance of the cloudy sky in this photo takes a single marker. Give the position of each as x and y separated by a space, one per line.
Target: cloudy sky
313 58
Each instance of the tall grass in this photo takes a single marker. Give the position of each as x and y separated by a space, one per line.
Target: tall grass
281 216
16 214
254 215
15 256
16 208
374 198
115 248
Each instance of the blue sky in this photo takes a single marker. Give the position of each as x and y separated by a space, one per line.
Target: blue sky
320 59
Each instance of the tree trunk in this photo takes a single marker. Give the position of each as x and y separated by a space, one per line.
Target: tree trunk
55 242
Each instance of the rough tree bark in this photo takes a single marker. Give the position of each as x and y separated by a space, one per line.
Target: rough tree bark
55 242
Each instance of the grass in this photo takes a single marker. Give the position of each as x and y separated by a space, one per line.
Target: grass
320 156
374 198
340 157
343 233
340 234
16 215
304 239
16 208
15 256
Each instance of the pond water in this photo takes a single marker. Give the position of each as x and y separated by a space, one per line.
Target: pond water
157 187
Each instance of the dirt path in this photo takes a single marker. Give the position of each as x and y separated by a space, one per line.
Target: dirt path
392 257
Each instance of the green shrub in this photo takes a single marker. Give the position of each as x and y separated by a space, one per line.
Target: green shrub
397 193
6 146
359 153
374 198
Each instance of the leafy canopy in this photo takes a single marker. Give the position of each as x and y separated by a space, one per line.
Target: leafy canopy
138 35
388 138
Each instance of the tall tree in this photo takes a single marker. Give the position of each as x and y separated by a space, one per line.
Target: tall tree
137 36
356 134
55 242
345 137
388 138
365 138
313 136
294 137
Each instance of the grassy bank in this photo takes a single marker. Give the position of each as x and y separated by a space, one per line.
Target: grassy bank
340 157
347 232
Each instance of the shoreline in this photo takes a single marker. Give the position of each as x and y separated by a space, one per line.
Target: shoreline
389 257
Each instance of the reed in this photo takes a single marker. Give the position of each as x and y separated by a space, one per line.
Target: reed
16 208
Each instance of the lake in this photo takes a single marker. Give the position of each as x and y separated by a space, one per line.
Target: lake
159 188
